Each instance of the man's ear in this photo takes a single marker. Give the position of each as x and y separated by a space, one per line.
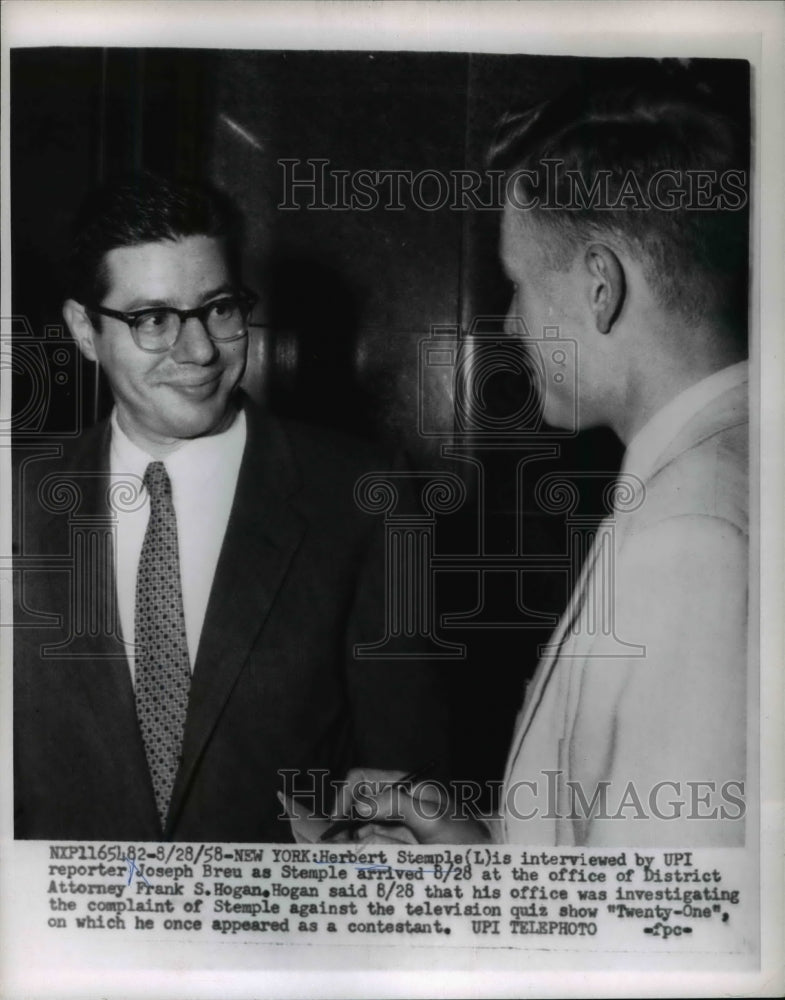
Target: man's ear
80 327
608 285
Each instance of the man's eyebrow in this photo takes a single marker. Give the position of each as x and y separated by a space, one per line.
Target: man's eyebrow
139 304
224 289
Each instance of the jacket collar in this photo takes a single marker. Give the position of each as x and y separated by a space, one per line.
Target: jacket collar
708 407
262 537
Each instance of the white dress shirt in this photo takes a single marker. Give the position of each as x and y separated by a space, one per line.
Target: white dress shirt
203 472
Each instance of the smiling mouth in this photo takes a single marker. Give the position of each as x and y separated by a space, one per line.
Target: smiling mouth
202 385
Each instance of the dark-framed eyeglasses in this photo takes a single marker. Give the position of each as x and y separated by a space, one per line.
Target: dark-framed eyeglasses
156 329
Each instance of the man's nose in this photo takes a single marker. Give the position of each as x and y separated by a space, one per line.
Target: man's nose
514 325
193 343
511 324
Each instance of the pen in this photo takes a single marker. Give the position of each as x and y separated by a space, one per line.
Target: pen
352 822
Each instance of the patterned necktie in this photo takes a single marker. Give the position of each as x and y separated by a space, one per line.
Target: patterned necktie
163 670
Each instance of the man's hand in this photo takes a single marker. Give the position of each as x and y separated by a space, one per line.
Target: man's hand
396 813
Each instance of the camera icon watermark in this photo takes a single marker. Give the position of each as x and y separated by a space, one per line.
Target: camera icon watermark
46 380
496 380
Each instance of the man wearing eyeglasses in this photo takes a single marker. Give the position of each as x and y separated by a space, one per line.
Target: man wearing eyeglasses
241 574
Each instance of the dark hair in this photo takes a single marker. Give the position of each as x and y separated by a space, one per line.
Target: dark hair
627 134
145 208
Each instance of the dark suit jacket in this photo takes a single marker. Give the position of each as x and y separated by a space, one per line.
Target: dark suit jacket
275 682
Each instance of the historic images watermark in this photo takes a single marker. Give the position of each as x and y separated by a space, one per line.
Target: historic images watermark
541 797
315 185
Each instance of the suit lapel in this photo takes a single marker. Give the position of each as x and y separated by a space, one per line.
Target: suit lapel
263 533
549 660
99 680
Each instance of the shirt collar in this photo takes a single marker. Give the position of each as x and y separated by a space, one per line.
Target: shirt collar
198 459
127 457
653 438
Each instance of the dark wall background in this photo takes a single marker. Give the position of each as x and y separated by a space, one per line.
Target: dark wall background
346 296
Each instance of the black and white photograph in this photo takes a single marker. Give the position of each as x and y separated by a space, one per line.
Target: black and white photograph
392 426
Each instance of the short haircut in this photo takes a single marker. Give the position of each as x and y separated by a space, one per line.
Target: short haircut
696 259
145 208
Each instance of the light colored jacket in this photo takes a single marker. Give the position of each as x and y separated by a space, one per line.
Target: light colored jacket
649 710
